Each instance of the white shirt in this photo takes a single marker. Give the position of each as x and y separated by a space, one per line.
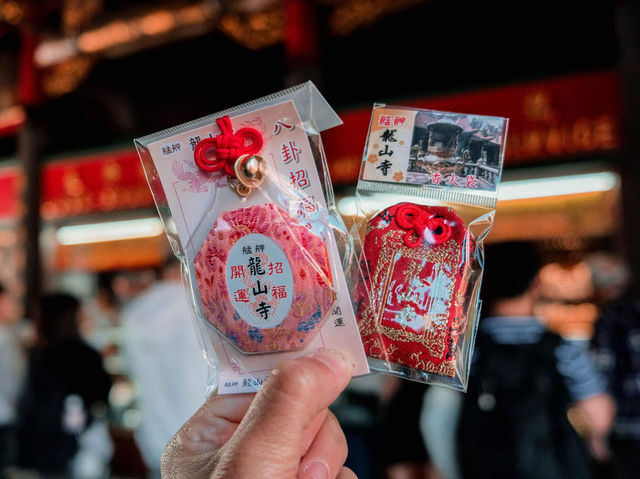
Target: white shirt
165 362
12 369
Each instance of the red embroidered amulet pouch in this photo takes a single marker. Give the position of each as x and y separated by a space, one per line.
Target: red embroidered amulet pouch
264 280
410 299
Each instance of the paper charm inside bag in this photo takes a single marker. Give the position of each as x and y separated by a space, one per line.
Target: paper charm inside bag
242 194
426 200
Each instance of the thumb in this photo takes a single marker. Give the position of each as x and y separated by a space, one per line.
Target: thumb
272 432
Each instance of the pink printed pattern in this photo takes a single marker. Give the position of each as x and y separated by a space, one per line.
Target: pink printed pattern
307 255
196 181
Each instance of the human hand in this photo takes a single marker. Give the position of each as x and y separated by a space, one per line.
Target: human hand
284 431
597 414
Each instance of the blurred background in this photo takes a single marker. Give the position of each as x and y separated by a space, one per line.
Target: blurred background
79 79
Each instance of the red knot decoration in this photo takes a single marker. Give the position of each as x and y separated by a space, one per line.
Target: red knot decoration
221 152
422 226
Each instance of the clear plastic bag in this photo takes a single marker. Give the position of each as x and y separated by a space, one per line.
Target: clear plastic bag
425 202
248 208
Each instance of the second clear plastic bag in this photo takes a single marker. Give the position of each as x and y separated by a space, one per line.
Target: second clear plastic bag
425 202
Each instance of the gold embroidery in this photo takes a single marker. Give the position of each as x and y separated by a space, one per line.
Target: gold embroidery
439 337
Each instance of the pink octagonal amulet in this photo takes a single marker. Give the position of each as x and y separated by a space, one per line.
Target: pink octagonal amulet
264 279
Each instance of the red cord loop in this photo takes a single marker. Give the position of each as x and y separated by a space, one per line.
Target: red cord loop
421 226
221 152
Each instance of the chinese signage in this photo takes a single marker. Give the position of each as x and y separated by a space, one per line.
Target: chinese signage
98 183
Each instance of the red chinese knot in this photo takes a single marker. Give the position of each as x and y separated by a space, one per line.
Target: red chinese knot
220 152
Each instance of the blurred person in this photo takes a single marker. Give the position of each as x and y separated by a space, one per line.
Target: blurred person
357 409
12 370
616 343
402 449
101 326
441 409
285 430
65 382
609 277
164 361
523 379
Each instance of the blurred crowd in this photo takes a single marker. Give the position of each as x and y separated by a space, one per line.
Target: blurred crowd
538 404
82 371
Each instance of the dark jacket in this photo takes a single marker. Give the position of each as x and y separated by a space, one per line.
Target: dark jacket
55 373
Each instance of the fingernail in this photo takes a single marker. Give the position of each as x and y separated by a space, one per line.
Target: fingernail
316 470
335 360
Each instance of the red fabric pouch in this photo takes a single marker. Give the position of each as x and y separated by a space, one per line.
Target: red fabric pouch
410 297
264 280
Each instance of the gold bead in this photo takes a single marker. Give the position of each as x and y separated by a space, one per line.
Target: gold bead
250 170
251 167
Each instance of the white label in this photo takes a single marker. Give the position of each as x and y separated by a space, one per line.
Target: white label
259 281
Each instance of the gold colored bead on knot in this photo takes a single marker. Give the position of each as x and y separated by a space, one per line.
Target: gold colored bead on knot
249 170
